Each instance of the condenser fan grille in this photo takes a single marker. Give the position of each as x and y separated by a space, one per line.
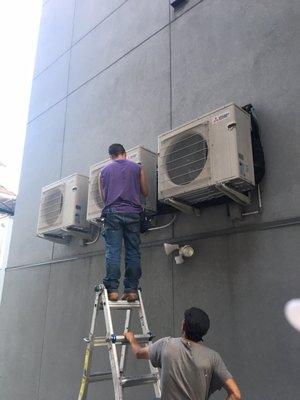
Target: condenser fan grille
51 206
186 158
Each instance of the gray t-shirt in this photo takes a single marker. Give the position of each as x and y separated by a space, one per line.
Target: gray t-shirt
189 370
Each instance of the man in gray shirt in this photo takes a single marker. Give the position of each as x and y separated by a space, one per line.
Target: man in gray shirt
189 369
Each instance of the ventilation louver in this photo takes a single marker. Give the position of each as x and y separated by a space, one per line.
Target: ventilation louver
51 207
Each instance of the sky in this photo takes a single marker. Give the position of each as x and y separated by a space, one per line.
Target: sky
19 27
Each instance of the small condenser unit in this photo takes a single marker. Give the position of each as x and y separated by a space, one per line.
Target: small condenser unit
62 211
139 154
197 157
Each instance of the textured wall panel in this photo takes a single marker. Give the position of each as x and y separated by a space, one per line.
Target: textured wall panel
90 13
50 87
67 320
55 35
128 103
41 166
22 315
125 29
264 275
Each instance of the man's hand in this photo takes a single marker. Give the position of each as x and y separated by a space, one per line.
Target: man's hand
138 351
129 336
232 390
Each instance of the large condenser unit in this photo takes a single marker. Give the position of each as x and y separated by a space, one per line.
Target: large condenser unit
199 160
145 157
62 212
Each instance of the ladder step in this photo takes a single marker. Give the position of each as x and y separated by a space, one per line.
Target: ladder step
103 376
139 380
120 339
122 305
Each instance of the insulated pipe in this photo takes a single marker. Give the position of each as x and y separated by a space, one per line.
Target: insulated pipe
163 226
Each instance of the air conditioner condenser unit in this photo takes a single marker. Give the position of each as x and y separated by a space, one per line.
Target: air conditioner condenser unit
62 212
139 154
210 152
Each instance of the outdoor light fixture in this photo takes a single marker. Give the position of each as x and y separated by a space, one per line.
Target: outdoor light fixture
176 3
185 251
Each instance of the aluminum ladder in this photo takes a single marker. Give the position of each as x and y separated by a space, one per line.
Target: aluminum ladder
111 340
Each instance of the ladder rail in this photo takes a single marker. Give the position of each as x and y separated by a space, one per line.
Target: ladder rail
88 352
124 346
145 329
112 347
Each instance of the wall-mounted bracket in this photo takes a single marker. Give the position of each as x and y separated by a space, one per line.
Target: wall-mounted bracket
233 194
185 208
56 238
81 233
237 211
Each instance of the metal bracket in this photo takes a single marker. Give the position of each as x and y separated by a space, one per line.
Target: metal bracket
237 211
259 205
236 196
55 238
185 208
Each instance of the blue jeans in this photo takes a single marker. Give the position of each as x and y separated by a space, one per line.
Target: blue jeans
119 227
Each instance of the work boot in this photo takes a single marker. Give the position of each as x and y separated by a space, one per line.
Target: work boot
130 297
113 296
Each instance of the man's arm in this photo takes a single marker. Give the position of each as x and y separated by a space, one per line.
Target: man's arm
100 187
232 389
144 183
139 351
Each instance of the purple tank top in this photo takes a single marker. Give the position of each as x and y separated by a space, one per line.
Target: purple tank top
121 188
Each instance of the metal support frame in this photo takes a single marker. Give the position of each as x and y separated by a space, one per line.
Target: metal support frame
185 208
259 205
55 238
239 211
111 340
236 196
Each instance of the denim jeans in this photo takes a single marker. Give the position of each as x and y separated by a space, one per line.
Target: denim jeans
119 227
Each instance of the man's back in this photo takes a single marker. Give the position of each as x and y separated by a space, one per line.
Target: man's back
120 181
189 370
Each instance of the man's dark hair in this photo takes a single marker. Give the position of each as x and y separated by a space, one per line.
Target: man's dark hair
116 149
196 324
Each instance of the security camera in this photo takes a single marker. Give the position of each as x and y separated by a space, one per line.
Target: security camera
184 251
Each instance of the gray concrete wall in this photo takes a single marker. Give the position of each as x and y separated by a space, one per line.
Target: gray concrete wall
127 71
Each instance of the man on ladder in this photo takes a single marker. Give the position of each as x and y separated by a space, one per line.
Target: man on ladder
121 184
189 370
